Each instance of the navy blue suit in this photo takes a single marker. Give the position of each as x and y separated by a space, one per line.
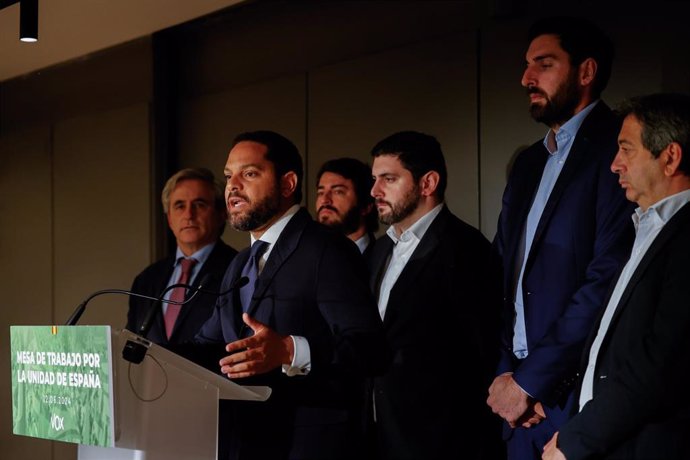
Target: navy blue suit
582 239
154 279
639 410
313 285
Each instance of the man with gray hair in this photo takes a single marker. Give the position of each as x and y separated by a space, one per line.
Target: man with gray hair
636 367
194 204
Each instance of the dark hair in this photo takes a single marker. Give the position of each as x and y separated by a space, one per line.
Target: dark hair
281 152
418 152
581 39
360 175
665 118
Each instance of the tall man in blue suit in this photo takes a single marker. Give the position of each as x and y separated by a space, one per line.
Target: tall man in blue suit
636 366
309 330
563 232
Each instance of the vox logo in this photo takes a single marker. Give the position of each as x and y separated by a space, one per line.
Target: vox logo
57 423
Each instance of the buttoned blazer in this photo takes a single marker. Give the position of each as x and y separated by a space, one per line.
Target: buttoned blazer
639 408
583 237
441 321
313 285
154 279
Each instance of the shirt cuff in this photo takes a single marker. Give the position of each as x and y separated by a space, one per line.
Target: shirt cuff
301 361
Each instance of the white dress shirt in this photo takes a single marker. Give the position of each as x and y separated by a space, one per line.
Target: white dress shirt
648 224
404 247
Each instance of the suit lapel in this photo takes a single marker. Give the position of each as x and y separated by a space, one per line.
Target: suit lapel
579 150
207 267
380 255
283 248
678 221
414 267
572 164
523 197
159 286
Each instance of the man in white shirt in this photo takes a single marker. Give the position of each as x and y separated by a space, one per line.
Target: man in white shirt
632 401
438 293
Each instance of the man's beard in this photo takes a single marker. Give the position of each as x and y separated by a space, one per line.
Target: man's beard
257 215
403 209
348 224
559 108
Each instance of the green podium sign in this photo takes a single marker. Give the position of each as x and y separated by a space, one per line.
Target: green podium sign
62 383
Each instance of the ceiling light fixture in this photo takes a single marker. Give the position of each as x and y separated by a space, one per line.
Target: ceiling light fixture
28 21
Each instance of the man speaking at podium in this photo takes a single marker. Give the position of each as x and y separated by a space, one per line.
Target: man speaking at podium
306 324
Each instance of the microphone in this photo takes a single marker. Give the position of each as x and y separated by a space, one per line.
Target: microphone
151 314
134 352
74 318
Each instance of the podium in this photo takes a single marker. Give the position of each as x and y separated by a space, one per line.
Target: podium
165 407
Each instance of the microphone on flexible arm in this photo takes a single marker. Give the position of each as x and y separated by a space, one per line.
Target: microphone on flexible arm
151 313
72 320
135 351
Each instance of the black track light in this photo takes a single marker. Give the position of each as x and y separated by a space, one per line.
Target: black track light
28 20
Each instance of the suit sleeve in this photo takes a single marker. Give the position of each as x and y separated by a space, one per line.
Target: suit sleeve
345 302
498 248
649 371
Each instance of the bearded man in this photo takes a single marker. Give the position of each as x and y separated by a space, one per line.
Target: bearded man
343 201
305 324
563 232
438 293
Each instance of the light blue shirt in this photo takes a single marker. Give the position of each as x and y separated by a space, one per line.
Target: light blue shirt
201 255
363 242
554 164
648 224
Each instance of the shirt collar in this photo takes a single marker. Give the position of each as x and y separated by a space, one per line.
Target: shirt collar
570 128
200 256
363 242
273 232
665 208
416 230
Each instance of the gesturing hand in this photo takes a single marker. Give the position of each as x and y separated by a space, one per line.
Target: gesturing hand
258 354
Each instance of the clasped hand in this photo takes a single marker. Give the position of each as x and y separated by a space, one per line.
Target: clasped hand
258 354
512 404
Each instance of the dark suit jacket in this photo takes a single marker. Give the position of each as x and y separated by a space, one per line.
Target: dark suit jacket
313 285
154 279
640 409
582 239
441 321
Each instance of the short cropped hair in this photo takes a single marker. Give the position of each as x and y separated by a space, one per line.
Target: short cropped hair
281 152
419 153
665 118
